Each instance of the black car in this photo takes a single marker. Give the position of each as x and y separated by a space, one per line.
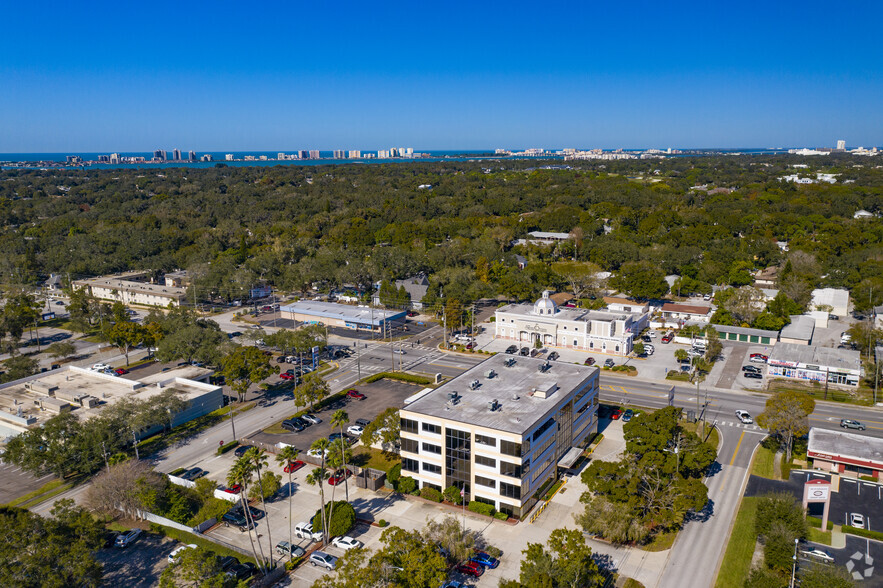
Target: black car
225 563
234 334
609 363
553 356
243 571
646 339
234 519
752 375
525 351
254 513
752 368
240 451
110 538
292 425
512 349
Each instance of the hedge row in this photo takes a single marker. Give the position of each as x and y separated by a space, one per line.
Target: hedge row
400 376
817 523
482 508
431 494
863 532
227 447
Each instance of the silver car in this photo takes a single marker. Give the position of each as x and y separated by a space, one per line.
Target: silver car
322 559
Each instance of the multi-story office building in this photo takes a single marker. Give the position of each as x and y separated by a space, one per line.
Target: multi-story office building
499 430
314 154
176 155
191 156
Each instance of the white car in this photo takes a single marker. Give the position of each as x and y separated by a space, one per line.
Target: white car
315 453
346 543
818 554
100 367
652 334
127 538
856 520
845 338
356 430
743 416
399 351
174 555
304 530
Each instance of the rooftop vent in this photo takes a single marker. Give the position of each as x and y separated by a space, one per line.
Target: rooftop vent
490 374
493 405
509 362
474 384
515 396
453 398
543 368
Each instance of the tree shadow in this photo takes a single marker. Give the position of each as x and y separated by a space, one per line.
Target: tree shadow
713 469
703 515
373 505
605 562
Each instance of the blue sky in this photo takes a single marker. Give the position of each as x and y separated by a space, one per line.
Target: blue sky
126 76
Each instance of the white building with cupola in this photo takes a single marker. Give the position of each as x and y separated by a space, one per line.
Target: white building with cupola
602 331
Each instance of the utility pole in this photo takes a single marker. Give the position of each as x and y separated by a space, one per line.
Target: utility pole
392 357
135 439
444 330
104 452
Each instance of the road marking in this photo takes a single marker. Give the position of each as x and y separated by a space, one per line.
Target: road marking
456 367
732 461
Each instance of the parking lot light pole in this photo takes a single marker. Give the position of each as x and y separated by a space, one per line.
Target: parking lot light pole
794 566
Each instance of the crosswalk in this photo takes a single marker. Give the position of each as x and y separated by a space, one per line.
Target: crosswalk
739 425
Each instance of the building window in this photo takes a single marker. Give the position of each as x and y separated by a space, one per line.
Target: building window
510 490
409 426
458 463
513 470
485 482
543 428
512 511
410 465
410 445
430 468
490 501
430 448
485 440
433 486
487 462
510 448
430 428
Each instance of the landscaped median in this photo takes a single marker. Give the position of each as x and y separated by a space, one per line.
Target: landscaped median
740 549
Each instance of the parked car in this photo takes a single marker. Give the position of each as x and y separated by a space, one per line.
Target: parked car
851 424
110 539
743 416
240 451
286 376
668 337
363 422
311 418
470 568
758 358
100 367
292 467
121 371
553 356
752 368
286 549
645 338
752 375
817 554
234 489
589 361
339 476
243 571
845 337
685 368
174 555
346 543
856 520
356 430
512 349
322 559
305 531
125 539
485 559
316 454
525 351
292 425
609 363
227 562
615 414
353 393
627 415
234 334
193 474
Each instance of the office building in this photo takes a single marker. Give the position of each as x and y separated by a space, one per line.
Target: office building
848 454
191 156
500 430
841 145
604 331
343 315
132 288
810 363
176 155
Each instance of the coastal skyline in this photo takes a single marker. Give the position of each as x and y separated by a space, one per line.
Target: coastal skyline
118 78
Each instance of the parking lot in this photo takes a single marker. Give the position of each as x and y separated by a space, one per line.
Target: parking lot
138 565
15 482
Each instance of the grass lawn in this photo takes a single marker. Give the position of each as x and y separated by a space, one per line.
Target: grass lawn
368 457
711 434
764 461
819 536
661 542
740 549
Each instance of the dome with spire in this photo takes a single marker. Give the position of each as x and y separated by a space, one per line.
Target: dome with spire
545 306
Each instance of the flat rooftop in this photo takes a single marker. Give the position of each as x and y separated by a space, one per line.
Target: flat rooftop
344 312
801 327
848 445
845 359
568 314
523 379
130 286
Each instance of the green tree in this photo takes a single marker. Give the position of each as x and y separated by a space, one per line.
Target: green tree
383 429
822 576
340 517
317 478
243 367
786 416
197 567
313 389
61 349
681 355
126 335
242 474
449 533
258 459
17 367
568 563
286 458
19 312
640 279
339 419
638 349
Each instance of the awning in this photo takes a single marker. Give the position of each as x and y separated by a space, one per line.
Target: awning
570 457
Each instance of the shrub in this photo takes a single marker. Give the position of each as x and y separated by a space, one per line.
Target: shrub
402 377
342 519
213 508
493 551
270 482
502 516
395 474
177 472
382 523
482 508
290 565
452 494
817 523
431 494
407 485
862 532
227 447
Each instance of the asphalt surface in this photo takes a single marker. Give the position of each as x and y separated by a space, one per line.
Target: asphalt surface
139 565
15 482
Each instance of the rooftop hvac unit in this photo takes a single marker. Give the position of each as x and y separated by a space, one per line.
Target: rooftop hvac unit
490 374
509 362
474 384
545 367
453 398
493 405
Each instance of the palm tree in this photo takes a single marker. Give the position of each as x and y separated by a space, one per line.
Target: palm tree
241 474
337 457
318 476
286 457
339 419
258 458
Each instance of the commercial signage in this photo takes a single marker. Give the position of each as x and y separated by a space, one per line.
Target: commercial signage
819 492
315 357
48 316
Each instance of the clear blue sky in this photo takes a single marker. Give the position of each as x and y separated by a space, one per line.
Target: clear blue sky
135 76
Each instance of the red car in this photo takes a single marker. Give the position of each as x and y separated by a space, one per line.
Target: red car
234 489
355 394
616 414
121 371
339 477
293 467
590 361
470 568
286 376
668 337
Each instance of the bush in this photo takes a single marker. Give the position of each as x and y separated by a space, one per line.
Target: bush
407 485
862 532
402 377
493 551
431 494
817 523
502 516
482 508
290 565
452 494
382 523
177 472
227 447
395 474
342 520
270 482
213 508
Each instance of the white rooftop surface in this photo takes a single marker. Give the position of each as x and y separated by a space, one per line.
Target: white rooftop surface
835 297
842 444
567 314
814 355
522 380
130 286
801 327
549 235
340 311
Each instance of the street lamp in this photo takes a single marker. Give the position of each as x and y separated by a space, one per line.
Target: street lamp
794 566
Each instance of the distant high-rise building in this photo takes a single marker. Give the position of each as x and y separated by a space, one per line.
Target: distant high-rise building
339 154
281 156
841 144
159 155
354 154
191 156
104 159
228 157
114 157
206 157
314 154
302 154
382 154
73 159
176 155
